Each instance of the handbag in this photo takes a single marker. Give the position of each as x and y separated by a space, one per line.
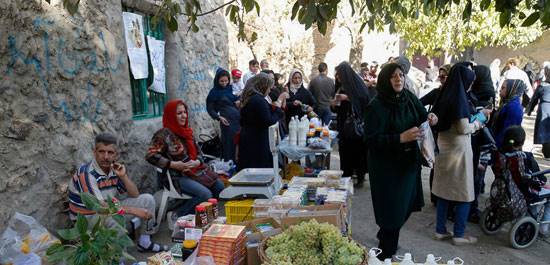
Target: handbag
353 127
205 176
210 145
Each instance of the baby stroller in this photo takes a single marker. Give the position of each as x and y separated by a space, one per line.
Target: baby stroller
508 204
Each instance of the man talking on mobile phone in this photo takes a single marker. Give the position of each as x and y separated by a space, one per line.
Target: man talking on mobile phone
105 178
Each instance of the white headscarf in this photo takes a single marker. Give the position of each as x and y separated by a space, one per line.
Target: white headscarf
292 87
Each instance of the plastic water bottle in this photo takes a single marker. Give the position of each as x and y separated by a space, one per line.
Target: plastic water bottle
387 262
372 259
292 131
431 260
407 260
302 131
455 261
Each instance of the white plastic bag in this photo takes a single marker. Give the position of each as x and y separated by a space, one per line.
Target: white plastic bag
427 144
24 241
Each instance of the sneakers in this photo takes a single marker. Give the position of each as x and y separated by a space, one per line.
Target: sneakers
466 240
438 236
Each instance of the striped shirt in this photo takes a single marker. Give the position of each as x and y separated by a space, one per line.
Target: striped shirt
91 178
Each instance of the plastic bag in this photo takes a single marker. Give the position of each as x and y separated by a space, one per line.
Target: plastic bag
24 241
318 143
427 145
205 260
222 166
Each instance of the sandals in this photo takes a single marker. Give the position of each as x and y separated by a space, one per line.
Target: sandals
151 247
446 235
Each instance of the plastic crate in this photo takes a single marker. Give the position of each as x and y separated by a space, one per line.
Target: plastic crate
239 211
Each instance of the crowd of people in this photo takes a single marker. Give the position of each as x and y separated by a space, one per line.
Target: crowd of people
378 115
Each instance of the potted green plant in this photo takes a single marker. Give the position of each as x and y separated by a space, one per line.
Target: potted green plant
97 244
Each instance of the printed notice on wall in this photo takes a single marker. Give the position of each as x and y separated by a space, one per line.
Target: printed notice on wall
135 42
156 53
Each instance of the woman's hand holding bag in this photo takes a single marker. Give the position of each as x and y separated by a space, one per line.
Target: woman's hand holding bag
410 135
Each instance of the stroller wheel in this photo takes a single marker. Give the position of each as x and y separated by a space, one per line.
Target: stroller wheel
524 232
489 222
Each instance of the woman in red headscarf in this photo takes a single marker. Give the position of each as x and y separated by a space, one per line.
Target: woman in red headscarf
173 149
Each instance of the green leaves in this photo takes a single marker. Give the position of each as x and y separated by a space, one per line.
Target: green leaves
248 5
100 245
90 201
323 12
467 13
484 5
173 24
57 253
504 18
102 242
81 224
68 234
531 19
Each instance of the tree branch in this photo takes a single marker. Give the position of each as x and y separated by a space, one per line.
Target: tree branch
215 9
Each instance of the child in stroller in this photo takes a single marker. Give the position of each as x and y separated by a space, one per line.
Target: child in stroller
518 192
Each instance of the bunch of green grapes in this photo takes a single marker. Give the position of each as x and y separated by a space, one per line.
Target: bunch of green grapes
349 254
311 243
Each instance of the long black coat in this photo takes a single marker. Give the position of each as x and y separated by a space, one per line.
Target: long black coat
256 117
394 167
542 123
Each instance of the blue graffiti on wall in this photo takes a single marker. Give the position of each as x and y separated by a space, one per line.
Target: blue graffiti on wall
196 70
70 62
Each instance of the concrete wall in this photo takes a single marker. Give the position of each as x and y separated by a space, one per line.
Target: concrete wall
538 51
65 79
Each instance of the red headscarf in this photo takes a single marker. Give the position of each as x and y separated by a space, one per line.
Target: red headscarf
170 121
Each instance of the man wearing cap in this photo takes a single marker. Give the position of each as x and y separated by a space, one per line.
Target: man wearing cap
237 84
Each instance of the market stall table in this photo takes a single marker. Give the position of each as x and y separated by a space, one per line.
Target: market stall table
296 153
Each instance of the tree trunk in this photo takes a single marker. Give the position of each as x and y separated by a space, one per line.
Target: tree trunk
322 44
356 51
447 57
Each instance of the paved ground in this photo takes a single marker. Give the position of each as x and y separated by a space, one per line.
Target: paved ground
417 232
416 235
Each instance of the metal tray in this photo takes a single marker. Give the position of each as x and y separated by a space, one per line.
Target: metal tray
253 177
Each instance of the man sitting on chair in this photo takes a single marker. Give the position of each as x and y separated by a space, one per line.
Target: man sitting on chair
103 177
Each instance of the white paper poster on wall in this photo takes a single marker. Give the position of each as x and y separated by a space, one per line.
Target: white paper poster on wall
156 53
135 43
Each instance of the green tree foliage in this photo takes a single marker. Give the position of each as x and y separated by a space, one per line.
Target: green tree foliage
468 24
374 14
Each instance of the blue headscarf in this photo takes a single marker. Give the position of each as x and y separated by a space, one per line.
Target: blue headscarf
453 102
218 92
514 89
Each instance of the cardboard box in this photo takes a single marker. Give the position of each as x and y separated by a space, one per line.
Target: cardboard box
328 213
253 239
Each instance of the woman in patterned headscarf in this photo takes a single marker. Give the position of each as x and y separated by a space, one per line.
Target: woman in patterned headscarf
510 111
301 101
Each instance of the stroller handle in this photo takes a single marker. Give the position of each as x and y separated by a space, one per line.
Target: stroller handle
539 173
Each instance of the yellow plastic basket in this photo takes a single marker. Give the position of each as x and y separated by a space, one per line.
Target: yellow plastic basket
239 211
